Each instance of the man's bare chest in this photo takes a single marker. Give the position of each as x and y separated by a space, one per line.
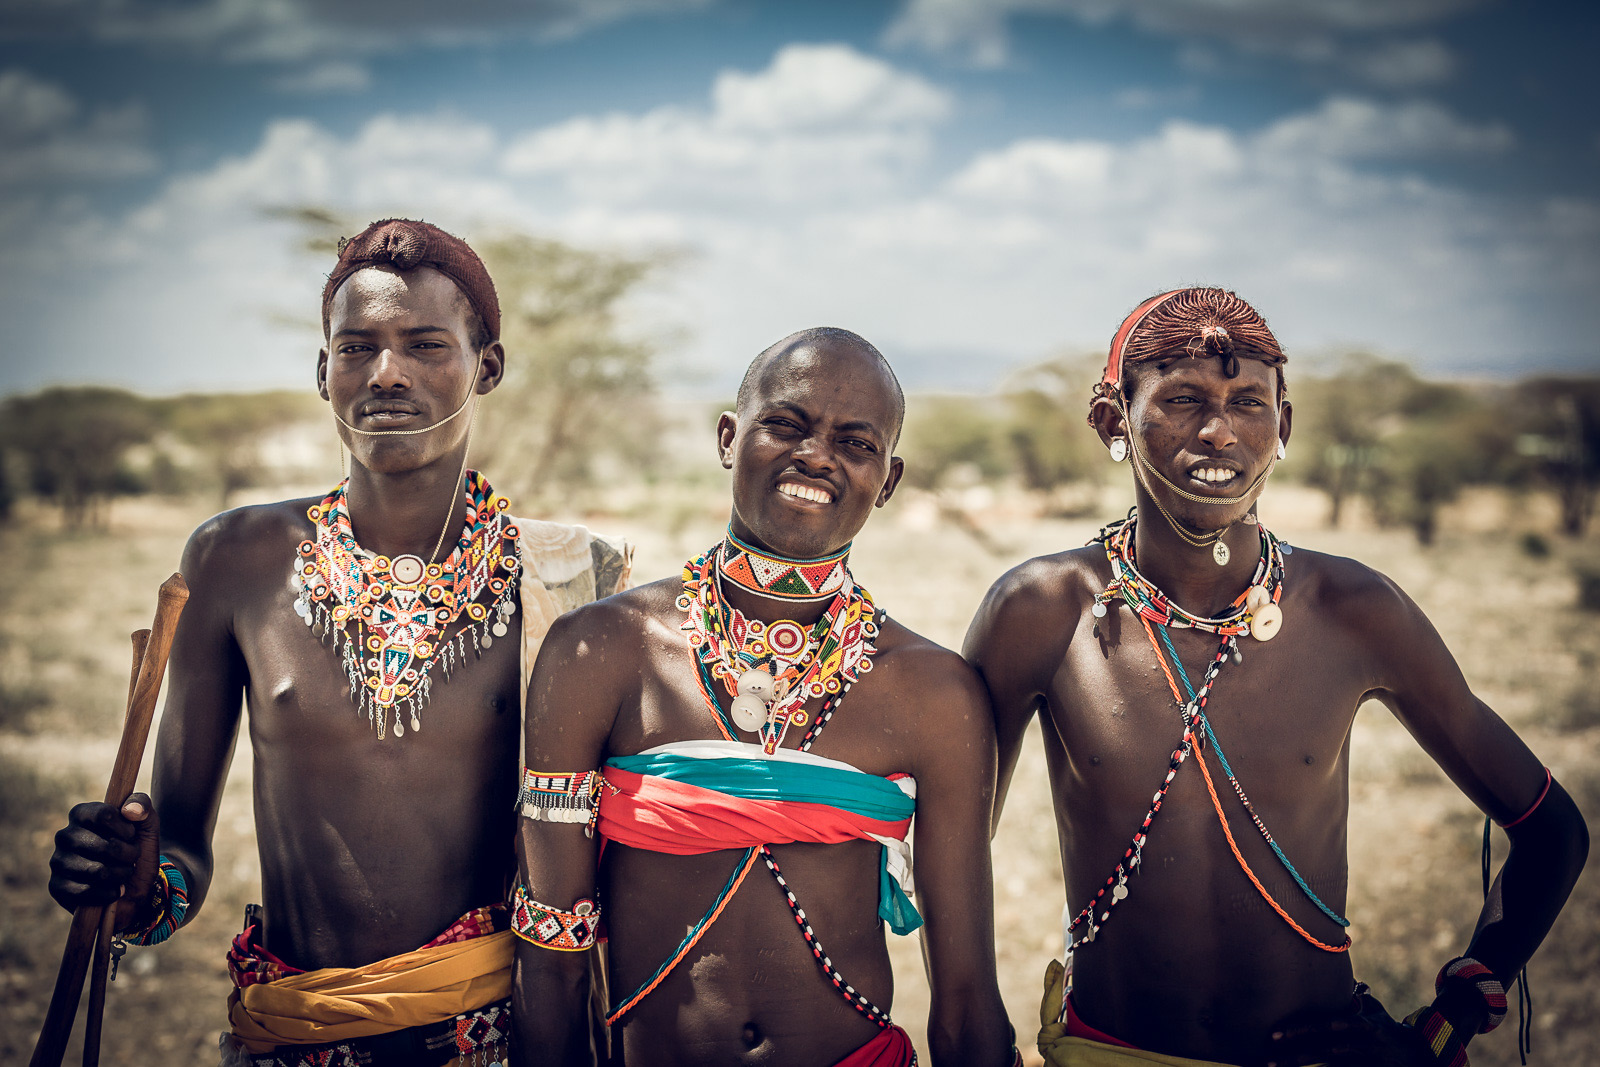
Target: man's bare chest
307 681
1282 709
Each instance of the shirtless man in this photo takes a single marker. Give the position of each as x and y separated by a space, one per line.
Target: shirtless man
707 800
382 666
1171 947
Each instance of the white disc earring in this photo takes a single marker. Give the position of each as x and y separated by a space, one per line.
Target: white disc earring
1283 450
1119 449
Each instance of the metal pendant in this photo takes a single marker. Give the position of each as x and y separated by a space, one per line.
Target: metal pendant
1220 553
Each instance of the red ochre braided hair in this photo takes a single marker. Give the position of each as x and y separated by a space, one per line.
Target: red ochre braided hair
1196 322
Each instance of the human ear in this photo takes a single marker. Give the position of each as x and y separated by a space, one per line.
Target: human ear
1108 419
1285 421
897 467
727 429
322 375
491 367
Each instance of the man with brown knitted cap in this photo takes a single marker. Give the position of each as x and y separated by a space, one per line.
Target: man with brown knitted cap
1196 680
379 639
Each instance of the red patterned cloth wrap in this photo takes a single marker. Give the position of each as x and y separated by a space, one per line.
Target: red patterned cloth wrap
891 1048
249 962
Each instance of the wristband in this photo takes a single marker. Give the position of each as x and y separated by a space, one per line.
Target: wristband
169 899
544 926
1448 1049
1465 971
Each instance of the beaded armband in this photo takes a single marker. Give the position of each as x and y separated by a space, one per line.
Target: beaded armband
169 899
570 798
565 931
1464 971
1447 1046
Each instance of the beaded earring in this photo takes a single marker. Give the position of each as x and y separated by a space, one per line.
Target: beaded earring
1119 449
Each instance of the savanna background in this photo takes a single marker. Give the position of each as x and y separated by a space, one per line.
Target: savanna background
1407 190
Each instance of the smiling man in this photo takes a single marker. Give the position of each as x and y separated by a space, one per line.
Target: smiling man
1196 684
750 742
379 639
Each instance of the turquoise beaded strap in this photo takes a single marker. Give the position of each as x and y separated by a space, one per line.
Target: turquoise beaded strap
170 899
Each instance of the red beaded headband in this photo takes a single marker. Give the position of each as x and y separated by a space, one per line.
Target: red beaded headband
1113 374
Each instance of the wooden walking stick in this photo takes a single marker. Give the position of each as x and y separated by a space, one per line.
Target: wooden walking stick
86 921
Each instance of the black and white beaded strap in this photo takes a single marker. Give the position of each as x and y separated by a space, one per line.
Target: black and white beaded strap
850 993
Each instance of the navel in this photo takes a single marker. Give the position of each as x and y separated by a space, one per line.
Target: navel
1309 760
751 1035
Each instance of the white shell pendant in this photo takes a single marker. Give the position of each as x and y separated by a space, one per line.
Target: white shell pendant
748 712
757 682
1220 553
1264 626
407 570
1257 598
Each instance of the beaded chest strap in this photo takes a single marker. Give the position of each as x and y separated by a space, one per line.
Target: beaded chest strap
388 616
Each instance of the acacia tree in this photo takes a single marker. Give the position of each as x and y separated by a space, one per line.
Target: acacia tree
74 443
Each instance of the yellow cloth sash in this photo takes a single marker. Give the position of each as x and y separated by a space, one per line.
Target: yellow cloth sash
415 988
1059 1050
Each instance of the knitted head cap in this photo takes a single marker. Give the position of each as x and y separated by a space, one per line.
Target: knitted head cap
1196 321
405 244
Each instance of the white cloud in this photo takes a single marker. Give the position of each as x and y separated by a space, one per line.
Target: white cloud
293 31
45 137
1348 128
978 31
333 76
821 123
800 213
1404 64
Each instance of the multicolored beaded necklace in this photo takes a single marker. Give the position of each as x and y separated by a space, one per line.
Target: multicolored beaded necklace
771 669
1255 612
387 615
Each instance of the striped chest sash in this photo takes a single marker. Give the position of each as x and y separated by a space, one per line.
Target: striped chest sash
692 797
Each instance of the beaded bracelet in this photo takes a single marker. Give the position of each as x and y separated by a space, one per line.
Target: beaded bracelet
169 899
565 931
1448 1049
1468 972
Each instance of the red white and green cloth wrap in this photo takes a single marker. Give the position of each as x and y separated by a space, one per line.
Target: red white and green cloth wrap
692 797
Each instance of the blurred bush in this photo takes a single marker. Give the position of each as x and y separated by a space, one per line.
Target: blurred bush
74 443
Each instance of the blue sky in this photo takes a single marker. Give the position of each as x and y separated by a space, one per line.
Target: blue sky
972 184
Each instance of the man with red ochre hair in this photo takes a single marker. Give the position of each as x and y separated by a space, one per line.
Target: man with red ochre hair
1196 679
379 638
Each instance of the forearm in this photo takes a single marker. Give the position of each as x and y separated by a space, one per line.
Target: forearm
550 1008
970 1030
1548 850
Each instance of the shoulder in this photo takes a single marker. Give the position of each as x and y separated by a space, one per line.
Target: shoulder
1062 579
919 664
623 619
1347 591
248 536
1045 595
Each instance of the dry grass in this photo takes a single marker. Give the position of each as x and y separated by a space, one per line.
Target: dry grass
1511 618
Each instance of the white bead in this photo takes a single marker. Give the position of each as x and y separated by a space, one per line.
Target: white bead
749 713
756 682
1264 627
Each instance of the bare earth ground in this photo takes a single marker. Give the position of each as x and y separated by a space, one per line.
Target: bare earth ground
1511 619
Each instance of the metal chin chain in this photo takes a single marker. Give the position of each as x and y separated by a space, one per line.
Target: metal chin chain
408 568
1142 467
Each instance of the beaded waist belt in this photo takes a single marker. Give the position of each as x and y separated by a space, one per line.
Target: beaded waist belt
480 1038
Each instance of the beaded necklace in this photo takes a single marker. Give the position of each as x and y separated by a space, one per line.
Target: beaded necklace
771 669
1256 612
387 616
